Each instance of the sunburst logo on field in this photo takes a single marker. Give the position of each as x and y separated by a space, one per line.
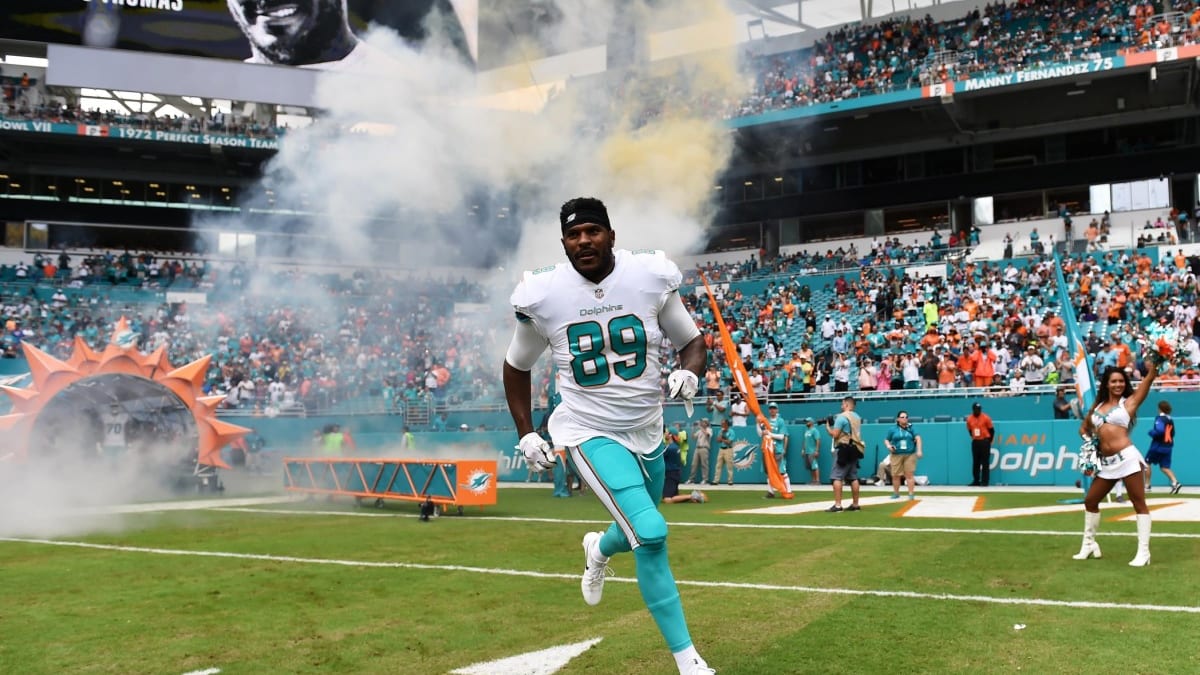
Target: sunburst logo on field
744 455
479 481
119 357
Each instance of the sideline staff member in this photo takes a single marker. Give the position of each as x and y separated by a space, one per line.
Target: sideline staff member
904 448
981 431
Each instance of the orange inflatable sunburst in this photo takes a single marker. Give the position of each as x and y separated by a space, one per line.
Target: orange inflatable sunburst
119 357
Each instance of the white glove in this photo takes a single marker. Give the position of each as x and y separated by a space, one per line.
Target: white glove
538 453
682 384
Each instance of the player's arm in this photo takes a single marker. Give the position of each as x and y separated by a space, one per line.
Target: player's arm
526 346
680 329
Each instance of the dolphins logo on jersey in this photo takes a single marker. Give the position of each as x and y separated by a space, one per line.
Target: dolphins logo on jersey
478 482
744 455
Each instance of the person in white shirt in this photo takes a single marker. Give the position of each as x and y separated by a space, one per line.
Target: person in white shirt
115 423
604 314
828 328
1017 384
739 410
1032 366
758 384
275 392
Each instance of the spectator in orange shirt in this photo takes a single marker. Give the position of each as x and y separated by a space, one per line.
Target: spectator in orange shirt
789 310
984 362
966 367
1124 356
946 372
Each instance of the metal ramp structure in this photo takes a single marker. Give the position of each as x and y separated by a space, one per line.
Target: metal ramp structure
447 483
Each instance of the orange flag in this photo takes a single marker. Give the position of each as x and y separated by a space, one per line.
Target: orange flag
742 380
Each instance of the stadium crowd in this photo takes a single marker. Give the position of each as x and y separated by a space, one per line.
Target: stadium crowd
391 343
19 108
322 341
1004 37
996 325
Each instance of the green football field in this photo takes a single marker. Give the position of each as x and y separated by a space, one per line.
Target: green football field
329 587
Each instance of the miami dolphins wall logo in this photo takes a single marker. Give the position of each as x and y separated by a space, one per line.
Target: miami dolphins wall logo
478 482
744 455
125 338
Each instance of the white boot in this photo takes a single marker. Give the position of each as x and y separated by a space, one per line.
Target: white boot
1089 549
1143 551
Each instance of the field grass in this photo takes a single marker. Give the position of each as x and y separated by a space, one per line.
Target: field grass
382 592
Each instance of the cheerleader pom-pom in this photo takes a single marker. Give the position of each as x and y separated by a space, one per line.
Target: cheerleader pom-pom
1162 351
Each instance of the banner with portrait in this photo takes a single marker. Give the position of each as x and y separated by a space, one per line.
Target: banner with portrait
320 34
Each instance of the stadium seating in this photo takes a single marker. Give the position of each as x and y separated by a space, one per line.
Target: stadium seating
873 58
368 343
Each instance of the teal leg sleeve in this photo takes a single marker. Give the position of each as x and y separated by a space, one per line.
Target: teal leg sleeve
662 597
628 487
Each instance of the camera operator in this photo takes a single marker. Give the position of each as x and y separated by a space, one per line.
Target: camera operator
846 431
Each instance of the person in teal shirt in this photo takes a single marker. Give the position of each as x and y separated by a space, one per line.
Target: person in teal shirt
904 449
778 432
812 449
779 381
718 409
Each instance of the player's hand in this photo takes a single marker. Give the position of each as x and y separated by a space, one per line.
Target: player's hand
682 384
538 453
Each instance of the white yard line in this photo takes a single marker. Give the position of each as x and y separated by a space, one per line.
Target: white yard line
494 571
206 671
184 505
734 526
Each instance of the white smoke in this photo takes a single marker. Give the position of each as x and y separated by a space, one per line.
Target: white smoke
404 152
413 156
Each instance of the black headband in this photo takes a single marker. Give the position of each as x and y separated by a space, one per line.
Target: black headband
585 215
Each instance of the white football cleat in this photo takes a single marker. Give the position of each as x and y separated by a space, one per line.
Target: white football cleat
698 667
594 573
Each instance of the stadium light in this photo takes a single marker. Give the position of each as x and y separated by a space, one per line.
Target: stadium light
778 179
32 61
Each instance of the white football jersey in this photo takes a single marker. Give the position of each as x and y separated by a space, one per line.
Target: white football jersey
114 427
605 340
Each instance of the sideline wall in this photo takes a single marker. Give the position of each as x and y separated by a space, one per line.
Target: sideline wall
1025 452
